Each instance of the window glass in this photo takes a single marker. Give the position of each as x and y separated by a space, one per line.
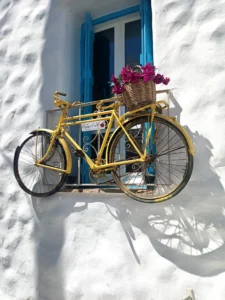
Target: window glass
103 63
103 69
132 43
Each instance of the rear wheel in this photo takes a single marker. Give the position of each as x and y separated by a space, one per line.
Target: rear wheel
168 164
38 181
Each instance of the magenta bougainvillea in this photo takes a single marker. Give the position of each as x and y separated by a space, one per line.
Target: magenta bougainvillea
129 75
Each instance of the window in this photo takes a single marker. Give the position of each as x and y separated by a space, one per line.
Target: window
107 44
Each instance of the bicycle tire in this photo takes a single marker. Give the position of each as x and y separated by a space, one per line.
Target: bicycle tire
34 180
154 192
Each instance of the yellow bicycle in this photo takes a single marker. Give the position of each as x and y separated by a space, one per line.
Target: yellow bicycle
149 154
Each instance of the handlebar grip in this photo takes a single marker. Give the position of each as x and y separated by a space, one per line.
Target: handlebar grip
61 94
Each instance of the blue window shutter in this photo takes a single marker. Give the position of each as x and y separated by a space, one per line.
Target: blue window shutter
86 48
147 56
146 32
82 46
86 85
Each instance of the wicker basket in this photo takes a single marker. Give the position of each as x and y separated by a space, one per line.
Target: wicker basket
139 94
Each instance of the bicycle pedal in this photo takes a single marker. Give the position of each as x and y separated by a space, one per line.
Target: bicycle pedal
78 153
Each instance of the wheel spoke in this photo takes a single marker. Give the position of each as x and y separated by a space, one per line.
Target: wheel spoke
36 180
163 173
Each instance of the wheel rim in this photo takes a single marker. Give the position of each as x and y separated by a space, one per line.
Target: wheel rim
166 169
35 180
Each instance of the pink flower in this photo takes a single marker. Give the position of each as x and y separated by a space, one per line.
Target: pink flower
114 79
161 79
148 68
148 76
158 79
118 89
166 80
135 77
128 75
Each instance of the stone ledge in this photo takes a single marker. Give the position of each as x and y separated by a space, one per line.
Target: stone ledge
92 191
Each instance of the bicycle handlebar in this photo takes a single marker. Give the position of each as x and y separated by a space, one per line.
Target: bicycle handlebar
61 94
59 102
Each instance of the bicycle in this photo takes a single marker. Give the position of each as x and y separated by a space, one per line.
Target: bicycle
149 155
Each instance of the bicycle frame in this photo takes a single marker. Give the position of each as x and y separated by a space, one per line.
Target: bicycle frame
105 113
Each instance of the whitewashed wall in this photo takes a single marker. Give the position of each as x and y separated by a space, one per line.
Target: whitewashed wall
80 246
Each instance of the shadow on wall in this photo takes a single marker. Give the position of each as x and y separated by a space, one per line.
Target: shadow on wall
56 76
187 230
50 240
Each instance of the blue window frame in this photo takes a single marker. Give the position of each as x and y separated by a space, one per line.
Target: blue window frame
86 57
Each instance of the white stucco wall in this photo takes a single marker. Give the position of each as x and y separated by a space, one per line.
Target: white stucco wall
79 246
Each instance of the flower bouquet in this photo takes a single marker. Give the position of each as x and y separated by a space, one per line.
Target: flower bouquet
137 86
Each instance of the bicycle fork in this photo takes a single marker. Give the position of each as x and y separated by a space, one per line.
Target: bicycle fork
150 149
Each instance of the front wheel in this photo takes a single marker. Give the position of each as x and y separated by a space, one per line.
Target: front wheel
168 165
34 180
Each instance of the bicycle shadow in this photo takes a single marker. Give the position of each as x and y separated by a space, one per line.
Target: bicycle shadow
187 230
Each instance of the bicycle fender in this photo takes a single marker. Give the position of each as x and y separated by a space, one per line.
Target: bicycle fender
182 129
169 119
64 145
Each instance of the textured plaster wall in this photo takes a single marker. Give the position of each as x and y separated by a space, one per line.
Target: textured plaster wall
79 246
